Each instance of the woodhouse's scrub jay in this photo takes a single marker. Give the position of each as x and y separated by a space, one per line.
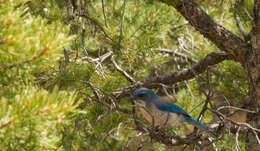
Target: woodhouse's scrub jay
161 112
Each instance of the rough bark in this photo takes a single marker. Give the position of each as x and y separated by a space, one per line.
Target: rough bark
201 21
252 66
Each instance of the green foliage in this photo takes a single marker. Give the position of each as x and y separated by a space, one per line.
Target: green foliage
70 76
52 10
244 8
233 83
27 42
33 119
39 109
24 36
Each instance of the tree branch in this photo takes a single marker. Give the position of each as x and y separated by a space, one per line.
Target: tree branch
177 76
186 74
201 21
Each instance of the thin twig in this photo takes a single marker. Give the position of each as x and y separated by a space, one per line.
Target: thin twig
236 108
241 28
241 124
66 56
140 146
247 13
256 136
189 89
140 134
104 14
98 96
204 108
175 52
122 21
125 74
99 26
99 59
237 134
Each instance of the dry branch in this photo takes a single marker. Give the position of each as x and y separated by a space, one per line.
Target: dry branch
176 53
126 75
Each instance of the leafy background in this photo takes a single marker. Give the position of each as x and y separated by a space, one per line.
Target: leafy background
47 63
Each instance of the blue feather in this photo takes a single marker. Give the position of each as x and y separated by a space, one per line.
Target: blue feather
165 105
170 108
197 123
162 104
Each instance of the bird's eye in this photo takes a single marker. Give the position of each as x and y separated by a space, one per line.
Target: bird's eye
141 95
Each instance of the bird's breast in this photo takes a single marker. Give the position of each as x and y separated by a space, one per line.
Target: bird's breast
160 118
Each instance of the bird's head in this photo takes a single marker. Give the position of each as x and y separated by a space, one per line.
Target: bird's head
145 95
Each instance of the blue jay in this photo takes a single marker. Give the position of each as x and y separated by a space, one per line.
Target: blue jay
161 112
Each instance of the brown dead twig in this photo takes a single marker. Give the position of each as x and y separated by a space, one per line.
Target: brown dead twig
175 53
125 74
246 35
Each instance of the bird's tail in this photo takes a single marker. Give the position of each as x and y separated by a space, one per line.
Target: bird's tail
197 123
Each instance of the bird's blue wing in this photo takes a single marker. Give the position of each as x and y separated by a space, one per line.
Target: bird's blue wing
165 105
